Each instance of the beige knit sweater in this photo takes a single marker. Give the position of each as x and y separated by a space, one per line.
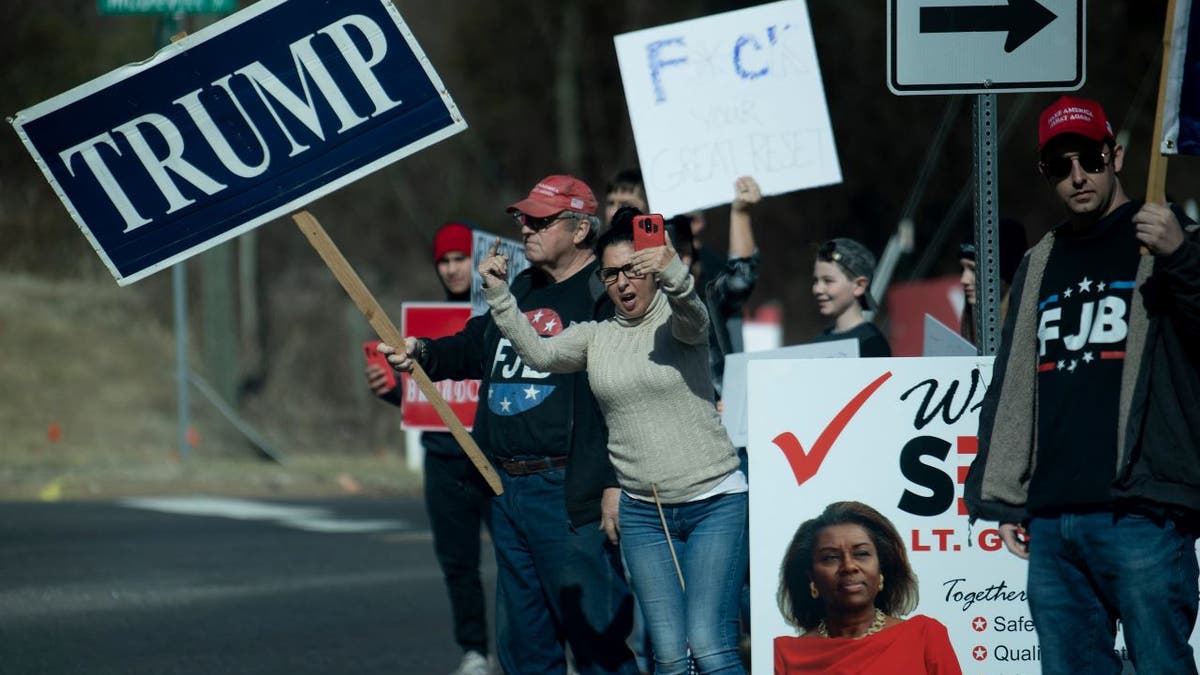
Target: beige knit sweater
650 376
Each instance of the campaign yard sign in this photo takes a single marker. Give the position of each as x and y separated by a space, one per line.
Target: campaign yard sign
723 96
242 122
899 435
434 320
735 414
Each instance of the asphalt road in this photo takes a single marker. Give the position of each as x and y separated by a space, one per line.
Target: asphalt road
213 586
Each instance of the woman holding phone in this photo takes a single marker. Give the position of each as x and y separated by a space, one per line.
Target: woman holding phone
681 510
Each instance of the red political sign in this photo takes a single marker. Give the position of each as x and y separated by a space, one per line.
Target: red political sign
434 320
909 302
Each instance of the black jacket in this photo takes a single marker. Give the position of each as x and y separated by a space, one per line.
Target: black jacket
1158 461
469 354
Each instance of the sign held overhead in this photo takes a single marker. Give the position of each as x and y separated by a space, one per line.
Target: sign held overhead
728 95
973 47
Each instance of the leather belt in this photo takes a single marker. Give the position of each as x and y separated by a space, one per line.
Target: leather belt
525 467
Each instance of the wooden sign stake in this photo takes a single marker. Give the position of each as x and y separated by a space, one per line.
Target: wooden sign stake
387 332
1156 181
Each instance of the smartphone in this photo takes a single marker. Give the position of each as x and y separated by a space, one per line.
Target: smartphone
649 231
373 356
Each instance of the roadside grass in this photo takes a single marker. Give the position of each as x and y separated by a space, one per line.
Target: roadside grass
88 410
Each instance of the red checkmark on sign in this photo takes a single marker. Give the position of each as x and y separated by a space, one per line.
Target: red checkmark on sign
805 464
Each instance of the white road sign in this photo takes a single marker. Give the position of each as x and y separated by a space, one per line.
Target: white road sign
981 46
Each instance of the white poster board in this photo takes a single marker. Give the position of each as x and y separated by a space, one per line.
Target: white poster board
897 434
481 244
723 96
734 383
941 340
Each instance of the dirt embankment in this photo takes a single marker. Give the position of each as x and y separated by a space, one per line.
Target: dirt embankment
88 409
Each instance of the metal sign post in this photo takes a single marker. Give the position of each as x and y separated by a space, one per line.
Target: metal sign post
171 13
981 48
987 243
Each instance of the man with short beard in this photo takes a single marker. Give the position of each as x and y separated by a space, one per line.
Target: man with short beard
1089 436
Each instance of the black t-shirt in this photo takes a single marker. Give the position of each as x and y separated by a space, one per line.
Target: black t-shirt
871 342
532 412
1083 314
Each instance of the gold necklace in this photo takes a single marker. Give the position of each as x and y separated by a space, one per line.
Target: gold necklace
875 627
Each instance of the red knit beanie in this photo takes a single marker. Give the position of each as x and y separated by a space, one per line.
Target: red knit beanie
452 237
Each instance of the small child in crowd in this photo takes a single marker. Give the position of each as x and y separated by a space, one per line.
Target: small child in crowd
841 286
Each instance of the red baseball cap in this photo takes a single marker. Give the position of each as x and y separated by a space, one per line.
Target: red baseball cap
452 237
555 194
1070 115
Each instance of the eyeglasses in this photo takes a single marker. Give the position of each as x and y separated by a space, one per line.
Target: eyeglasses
1058 168
537 224
609 274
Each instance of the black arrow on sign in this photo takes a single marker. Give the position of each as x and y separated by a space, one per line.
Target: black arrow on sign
1022 19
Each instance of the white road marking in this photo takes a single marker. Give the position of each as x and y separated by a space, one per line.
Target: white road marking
307 518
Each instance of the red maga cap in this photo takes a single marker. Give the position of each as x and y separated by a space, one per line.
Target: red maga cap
1070 115
555 194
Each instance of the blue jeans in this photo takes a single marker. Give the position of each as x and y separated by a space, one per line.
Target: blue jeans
554 582
1088 570
711 541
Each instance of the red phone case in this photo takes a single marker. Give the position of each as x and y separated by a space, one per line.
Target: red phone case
373 356
648 231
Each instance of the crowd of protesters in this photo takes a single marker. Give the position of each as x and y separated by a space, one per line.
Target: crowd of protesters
624 511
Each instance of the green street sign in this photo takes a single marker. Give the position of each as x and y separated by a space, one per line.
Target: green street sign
166 6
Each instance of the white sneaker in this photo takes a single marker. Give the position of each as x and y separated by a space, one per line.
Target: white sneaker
473 663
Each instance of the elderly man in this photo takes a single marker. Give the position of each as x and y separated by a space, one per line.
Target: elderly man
558 576
1089 437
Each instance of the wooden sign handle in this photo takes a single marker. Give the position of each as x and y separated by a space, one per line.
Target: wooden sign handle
387 332
1156 181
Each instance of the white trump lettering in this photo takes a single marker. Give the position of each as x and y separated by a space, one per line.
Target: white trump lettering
157 167
216 138
104 176
166 170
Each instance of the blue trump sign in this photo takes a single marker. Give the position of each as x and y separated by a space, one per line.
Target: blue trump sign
245 121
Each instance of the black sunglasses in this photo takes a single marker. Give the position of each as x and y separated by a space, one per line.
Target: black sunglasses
609 274
1058 168
537 224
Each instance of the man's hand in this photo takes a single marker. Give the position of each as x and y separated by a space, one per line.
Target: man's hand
401 361
1016 539
746 194
377 380
610 517
494 267
1158 229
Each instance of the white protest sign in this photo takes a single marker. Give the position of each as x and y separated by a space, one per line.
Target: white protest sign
480 245
941 340
897 434
723 96
733 390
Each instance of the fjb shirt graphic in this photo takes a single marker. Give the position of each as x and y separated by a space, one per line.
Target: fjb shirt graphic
1086 297
515 387
1083 323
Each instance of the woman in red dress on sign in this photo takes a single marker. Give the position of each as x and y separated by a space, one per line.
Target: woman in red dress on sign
844 580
